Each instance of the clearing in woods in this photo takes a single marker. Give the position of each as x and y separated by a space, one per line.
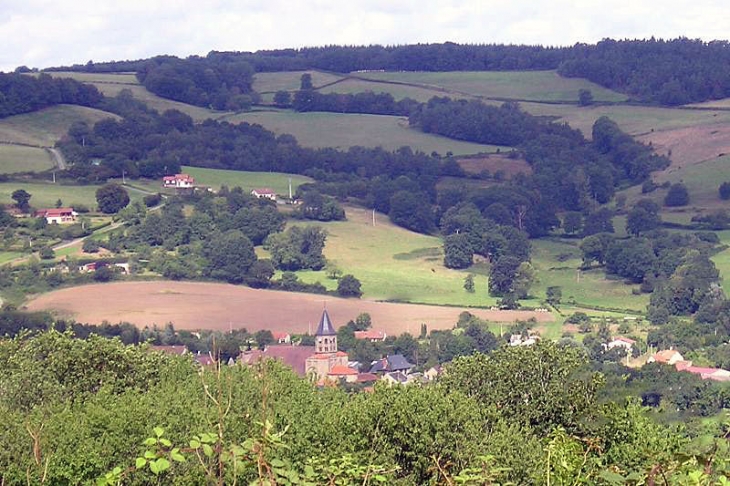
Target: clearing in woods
338 130
194 305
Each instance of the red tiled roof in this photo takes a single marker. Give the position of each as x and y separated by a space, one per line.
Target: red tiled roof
371 334
340 353
665 356
340 370
624 339
366 377
263 190
292 356
279 335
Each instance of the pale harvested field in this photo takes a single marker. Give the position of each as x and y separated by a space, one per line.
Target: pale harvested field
691 145
192 305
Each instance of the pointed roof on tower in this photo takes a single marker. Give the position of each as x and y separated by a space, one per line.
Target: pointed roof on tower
325 327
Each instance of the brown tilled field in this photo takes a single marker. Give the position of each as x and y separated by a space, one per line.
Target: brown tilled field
191 305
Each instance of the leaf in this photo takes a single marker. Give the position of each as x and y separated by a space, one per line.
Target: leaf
154 468
380 478
612 477
162 464
149 454
277 463
140 462
194 444
165 442
159 431
176 456
207 450
150 441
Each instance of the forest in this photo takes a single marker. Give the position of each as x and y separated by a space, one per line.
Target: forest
21 93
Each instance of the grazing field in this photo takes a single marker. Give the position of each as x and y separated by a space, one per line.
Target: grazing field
343 131
289 80
691 145
635 120
46 195
20 158
191 305
397 91
518 85
215 178
702 180
558 262
110 84
45 127
393 263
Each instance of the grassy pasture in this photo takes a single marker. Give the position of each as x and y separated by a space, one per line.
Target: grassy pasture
557 263
46 195
398 91
702 181
19 158
722 261
342 131
277 181
636 120
45 127
289 80
519 85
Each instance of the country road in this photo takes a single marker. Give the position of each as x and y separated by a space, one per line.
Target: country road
58 158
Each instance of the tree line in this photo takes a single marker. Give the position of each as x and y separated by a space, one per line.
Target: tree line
668 72
22 93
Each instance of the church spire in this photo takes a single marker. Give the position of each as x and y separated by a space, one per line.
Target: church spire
325 339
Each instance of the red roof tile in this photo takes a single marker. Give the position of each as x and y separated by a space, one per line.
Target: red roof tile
339 370
292 356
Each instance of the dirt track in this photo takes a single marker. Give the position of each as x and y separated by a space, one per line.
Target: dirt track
191 305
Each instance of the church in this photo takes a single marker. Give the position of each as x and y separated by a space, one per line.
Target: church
327 362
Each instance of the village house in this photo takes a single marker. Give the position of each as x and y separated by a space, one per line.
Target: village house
668 356
178 181
57 215
264 192
714 374
371 335
390 364
281 337
621 342
520 340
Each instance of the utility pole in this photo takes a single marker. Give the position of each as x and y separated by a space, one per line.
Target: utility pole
124 181
373 217
290 193
54 176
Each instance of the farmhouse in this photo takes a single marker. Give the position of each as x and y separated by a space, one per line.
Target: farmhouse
668 356
264 192
178 181
281 337
57 215
714 374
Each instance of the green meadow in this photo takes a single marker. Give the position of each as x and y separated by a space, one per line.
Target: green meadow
45 195
45 127
319 130
216 178
635 120
396 90
290 80
722 261
20 158
517 85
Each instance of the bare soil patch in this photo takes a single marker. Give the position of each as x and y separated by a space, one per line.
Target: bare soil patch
494 163
192 305
691 145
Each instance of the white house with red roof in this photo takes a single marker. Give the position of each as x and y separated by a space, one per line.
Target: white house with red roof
668 356
57 215
264 192
178 181
281 337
